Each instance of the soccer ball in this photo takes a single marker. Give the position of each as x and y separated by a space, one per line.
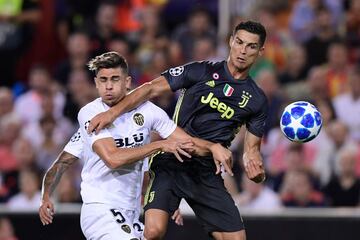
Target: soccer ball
300 122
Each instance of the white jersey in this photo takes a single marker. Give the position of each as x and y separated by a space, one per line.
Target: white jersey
75 145
121 187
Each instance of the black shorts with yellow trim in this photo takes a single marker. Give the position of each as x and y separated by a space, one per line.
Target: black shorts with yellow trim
170 181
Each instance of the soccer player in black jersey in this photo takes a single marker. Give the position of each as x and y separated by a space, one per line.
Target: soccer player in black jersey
217 99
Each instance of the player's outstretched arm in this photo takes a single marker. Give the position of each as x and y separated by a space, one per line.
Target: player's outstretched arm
222 156
136 97
252 158
116 157
50 181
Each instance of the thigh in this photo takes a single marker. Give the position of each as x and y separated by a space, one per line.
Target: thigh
102 222
213 205
161 193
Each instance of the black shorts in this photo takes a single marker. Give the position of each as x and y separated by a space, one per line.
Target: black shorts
200 187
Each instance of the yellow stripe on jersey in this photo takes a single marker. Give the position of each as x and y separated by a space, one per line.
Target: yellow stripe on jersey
178 105
147 194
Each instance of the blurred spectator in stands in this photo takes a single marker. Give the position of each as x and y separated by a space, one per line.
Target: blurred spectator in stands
302 23
128 16
344 187
337 69
103 30
78 51
347 105
314 86
257 197
295 66
10 127
6 102
277 41
353 31
16 28
267 81
67 191
290 157
324 161
29 196
41 85
81 91
6 229
298 191
324 34
198 25
205 50
49 134
159 63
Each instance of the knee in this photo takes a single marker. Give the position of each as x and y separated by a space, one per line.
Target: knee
153 233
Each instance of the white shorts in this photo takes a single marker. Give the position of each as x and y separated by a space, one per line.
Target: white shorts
102 222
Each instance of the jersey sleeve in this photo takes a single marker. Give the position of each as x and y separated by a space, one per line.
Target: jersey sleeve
256 124
75 145
160 121
84 117
185 76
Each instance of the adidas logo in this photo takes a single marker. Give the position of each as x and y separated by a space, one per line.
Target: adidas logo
211 83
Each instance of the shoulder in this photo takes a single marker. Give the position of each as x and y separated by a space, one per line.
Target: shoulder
91 108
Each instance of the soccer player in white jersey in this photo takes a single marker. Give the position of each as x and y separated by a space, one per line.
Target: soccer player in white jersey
112 171
72 152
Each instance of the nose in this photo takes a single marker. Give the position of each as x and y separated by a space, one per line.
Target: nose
109 85
243 49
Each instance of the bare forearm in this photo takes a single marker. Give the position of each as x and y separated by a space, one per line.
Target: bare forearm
54 173
125 156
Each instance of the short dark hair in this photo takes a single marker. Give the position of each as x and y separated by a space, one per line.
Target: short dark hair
108 60
252 27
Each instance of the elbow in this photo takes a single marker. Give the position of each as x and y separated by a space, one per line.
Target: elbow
110 163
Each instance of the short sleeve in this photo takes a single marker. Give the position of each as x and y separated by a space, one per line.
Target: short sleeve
84 117
256 124
160 121
185 76
75 145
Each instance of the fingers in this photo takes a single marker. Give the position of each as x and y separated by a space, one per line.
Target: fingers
178 156
46 214
255 171
181 151
218 167
177 217
228 169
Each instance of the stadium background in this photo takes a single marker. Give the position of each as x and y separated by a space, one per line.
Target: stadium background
312 53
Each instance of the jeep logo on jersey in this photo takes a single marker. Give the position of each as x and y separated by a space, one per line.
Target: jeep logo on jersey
130 141
227 112
176 71
228 90
138 119
245 99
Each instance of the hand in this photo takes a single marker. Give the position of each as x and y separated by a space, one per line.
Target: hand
100 121
46 212
222 157
254 167
177 148
177 217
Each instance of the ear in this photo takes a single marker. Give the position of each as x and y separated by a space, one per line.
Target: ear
128 82
231 40
261 51
96 82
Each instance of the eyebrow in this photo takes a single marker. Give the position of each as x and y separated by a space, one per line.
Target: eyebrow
113 76
250 43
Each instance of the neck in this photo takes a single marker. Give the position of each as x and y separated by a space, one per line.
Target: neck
235 72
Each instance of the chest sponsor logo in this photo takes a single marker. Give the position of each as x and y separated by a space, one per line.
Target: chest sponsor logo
139 119
245 99
126 228
214 102
228 90
134 141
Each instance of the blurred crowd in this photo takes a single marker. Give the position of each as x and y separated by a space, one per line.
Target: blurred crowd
312 53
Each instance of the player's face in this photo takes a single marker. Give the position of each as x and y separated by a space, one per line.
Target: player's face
244 49
112 84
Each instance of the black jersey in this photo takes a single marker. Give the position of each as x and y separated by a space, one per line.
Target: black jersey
213 105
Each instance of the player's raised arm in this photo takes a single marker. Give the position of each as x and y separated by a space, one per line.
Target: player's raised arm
50 181
252 158
139 95
116 157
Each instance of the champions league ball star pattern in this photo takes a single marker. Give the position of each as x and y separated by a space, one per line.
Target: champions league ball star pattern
300 122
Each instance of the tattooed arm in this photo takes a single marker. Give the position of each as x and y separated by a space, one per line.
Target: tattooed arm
50 181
